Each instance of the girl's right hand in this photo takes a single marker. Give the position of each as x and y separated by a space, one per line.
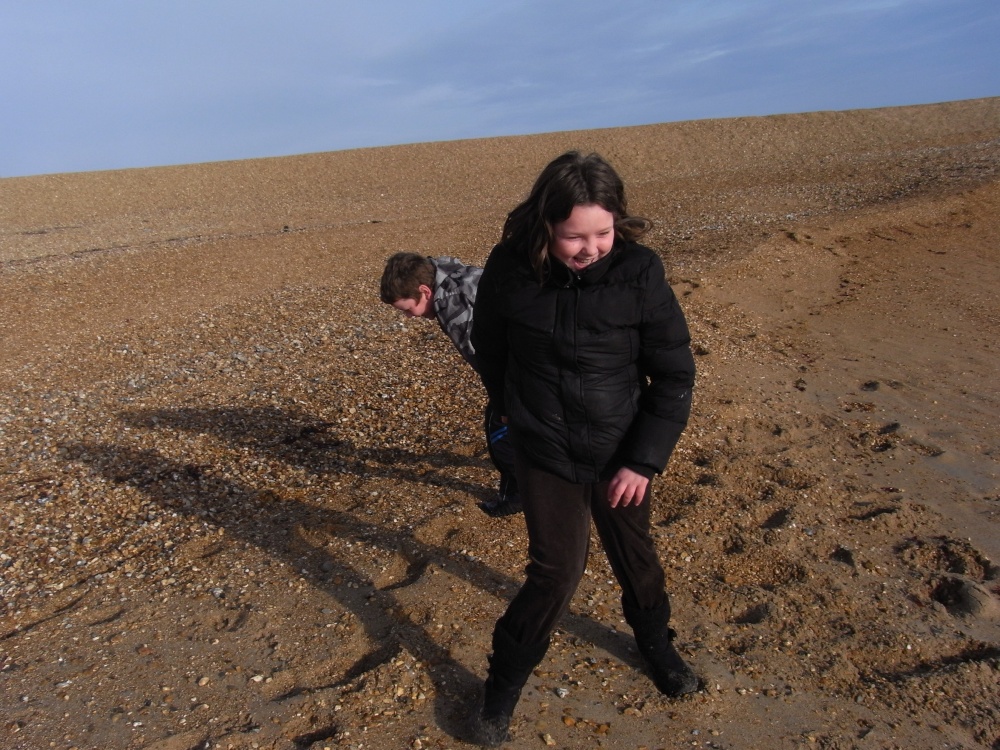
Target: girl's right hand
627 487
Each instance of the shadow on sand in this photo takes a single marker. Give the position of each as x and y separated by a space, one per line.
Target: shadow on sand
262 517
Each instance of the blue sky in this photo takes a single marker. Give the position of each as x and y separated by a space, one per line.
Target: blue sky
111 84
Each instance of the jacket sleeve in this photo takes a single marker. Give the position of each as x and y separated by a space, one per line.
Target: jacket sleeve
455 317
454 296
665 358
489 332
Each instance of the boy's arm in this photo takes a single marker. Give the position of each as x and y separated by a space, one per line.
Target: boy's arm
456 322
454 297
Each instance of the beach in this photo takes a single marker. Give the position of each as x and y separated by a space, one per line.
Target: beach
239 493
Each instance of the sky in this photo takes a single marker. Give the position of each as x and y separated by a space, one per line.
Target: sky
111 84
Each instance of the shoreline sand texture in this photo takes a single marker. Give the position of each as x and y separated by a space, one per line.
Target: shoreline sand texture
239 493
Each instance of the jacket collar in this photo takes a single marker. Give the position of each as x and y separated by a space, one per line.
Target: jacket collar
560 274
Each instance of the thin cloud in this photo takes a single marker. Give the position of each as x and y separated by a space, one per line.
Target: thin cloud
114 84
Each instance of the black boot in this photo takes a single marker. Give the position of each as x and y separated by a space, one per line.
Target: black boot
670 674
510 666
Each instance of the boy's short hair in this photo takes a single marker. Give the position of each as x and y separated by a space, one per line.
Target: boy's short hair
403 275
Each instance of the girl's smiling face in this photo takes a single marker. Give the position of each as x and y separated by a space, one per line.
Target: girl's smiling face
584 237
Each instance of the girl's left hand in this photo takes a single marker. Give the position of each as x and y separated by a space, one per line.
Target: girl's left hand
627 487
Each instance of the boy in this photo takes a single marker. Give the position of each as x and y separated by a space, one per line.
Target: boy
445 289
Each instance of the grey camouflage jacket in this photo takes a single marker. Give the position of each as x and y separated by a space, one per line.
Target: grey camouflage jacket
455 286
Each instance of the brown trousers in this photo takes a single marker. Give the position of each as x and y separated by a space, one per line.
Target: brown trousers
558 515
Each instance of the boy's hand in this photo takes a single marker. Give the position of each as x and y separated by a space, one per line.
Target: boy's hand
627 487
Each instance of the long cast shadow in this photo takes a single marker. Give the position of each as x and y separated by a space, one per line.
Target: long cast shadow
266 523
256 517
312 445
319 448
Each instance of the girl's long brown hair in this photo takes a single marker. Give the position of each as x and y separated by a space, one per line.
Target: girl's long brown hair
573 179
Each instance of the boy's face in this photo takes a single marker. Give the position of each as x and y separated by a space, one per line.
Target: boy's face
420 307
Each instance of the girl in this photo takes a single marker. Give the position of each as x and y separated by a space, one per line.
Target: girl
583 347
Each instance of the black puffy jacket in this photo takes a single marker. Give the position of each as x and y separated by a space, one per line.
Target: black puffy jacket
593 370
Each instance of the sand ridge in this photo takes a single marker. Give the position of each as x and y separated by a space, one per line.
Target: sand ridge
239 494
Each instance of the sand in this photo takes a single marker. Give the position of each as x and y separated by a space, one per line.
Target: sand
239 493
